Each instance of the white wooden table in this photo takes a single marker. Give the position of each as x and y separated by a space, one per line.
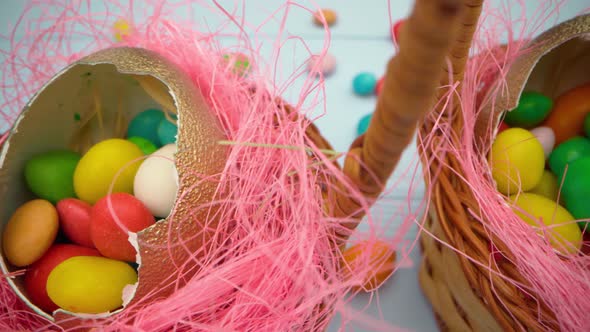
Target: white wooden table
361 42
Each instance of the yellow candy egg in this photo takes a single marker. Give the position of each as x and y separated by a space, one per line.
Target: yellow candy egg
547 186
92 285
565 238
517 160
101 164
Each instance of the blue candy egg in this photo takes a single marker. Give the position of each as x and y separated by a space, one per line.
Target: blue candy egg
167 131
145 125
364 124
364 84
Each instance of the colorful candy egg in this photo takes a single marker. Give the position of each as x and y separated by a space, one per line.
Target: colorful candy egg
31 230
167 131
564 235
146 146
37 274
74 221
532 109
145 125
87 284
517 160
568 114
50 175
111 239
363 124
110 160
546 137
156 183
547 186
373 261
364 84
576 188
568 152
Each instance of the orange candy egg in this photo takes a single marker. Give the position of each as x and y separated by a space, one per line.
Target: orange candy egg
567 117
374 261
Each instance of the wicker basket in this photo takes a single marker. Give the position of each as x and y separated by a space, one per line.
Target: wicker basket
465 295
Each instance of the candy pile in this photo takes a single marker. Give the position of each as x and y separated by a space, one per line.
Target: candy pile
73 239
540 147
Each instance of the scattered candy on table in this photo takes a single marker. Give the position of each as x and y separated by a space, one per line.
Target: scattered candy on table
395 29
379 86
364 124
364 84
238 62
328 14
31 230
325 65
121 29
374 270
88 284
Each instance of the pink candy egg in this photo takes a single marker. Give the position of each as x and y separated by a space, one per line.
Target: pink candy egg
546 136
326 64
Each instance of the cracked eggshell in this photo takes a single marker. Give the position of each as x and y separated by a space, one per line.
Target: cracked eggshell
555 62
126 81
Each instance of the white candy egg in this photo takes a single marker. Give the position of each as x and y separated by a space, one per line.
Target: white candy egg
546 136
156 181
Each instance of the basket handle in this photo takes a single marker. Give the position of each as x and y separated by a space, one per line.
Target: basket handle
409 92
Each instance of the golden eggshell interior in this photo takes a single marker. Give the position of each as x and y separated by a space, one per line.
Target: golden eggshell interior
125 81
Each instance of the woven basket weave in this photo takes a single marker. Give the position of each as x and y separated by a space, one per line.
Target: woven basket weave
464 293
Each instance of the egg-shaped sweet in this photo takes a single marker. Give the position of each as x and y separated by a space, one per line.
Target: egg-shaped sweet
156 181
517 160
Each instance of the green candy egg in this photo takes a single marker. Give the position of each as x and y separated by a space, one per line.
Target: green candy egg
532 109
587 125
145 124
568 152
576 189
145 145
50 175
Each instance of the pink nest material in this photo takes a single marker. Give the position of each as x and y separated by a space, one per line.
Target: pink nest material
275 266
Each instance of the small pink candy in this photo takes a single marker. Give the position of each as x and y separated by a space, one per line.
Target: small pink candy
326 65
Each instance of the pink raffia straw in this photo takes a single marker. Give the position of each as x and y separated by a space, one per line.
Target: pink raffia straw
274 265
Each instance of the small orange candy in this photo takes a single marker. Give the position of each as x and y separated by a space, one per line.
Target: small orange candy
329 15
568 113
379 267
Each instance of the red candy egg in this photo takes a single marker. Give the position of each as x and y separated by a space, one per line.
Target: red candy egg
111 239
74 220
36 275
379 86
395 30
